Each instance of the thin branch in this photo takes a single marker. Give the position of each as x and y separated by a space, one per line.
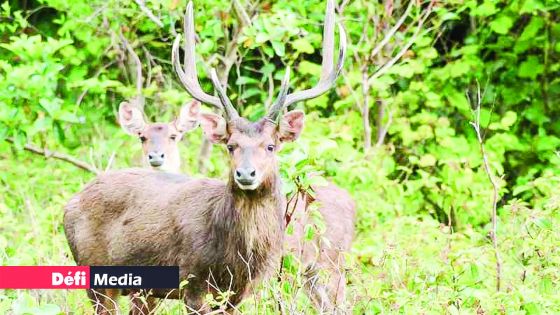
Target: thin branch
111 160
149 13
365 111
392 31
57 155
353 93
149 66
139 77
244 18
404 49
99 71
495 188
384 129
152 62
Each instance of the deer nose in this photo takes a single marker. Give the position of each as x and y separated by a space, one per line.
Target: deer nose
245 175
156 158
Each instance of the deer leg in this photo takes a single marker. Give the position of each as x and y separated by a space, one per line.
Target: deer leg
142 303
320 297
336 288
196 304
317 292
104 300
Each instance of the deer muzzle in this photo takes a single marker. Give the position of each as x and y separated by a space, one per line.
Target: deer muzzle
156 158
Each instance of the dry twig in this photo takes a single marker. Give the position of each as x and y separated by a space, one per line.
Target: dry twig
495 187
59 156
139 77
149 13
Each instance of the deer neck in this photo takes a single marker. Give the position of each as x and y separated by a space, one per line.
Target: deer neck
265 201
253 220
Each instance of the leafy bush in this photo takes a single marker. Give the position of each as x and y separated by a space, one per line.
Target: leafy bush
397 137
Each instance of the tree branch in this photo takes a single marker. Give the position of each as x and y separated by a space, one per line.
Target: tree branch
139 77
392 31
405 48
149 13
59 156
495 188
383 129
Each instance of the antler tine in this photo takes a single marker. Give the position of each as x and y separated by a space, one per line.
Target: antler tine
188 76
328 72
276 108
230 111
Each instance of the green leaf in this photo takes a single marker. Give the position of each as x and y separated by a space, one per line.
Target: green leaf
501 25
309 232
530 68
306 67
67 117
509 119
321 102
547 143
279 48
531 308
532 29
302 45
531 6
487 8
427 160
261 37
250 93
289 263
245 80
6 8
183 284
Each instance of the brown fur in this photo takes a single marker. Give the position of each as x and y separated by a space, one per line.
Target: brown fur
338 211
323 258
203 226
225 236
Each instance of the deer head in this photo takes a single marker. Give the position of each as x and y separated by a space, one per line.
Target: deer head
253 145
159 140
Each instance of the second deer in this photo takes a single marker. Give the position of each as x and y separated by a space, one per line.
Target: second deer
159 140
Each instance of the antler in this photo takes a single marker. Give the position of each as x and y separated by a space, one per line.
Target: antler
328 72
189 77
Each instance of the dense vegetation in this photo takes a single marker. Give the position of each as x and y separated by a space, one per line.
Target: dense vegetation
396 132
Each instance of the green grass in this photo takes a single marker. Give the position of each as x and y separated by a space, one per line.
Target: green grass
400 264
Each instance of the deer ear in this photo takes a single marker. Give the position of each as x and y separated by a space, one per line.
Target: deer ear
188 117
214 127
131 119
291 125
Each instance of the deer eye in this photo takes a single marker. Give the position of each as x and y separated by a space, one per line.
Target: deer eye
230 148
270 148
173 137
143 139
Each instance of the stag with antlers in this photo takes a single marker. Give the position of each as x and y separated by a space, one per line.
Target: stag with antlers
223 236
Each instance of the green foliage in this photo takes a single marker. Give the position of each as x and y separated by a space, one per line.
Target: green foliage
423 196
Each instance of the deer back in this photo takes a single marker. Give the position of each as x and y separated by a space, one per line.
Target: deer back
338 211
